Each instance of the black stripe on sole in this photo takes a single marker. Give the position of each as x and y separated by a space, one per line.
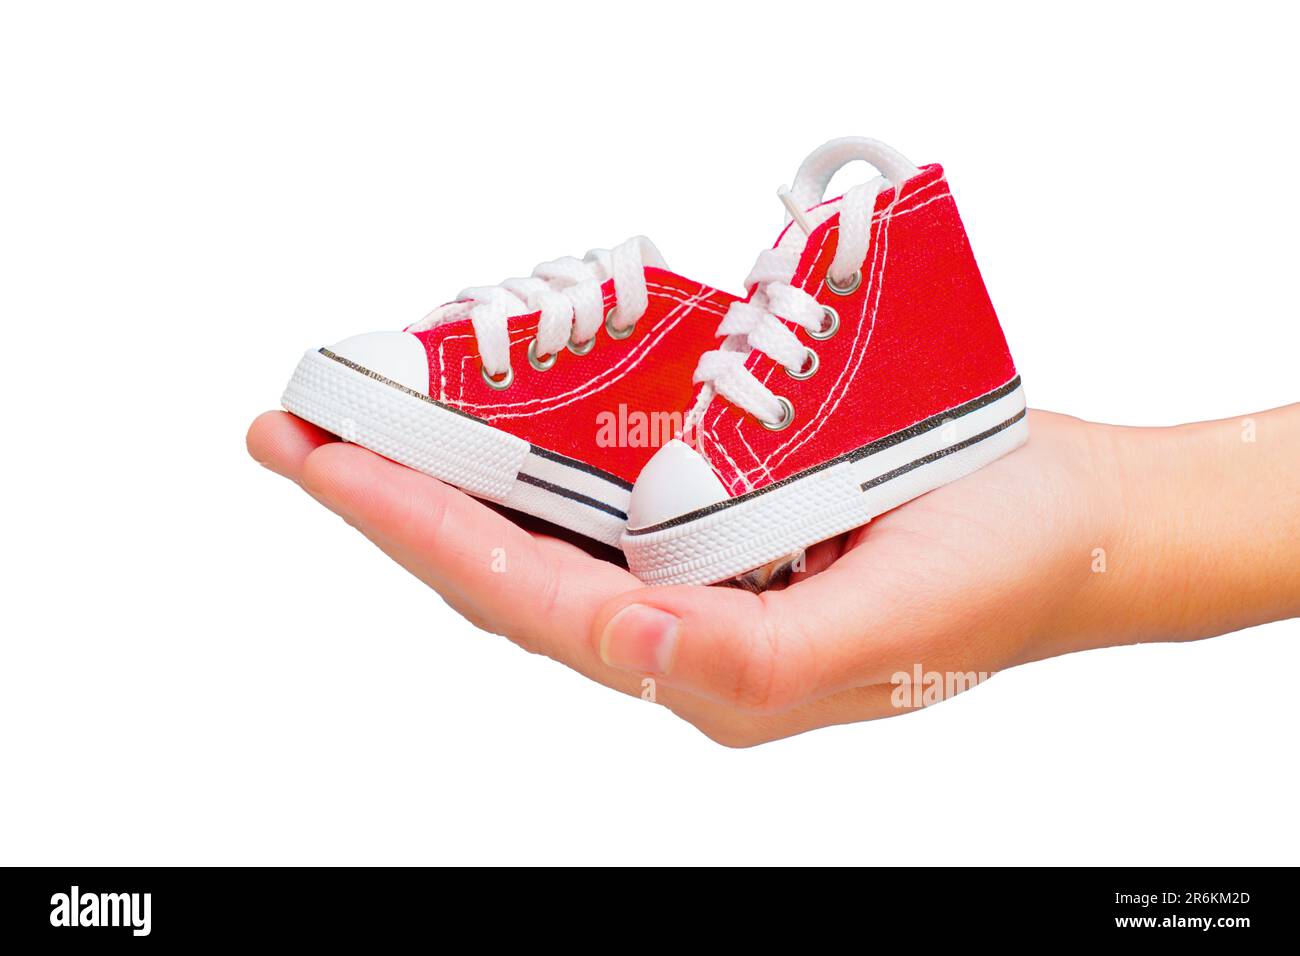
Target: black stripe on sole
566 493
857 454
592 470
942 452
934 421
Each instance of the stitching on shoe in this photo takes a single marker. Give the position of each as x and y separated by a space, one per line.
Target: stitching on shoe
596 384
899 208
722 448
875 288
876 279
780 454
858 351
699 300
740 435
668 292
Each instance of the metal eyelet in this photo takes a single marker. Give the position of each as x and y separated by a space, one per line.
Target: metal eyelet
787 416
615 333
541 364
498 383
581 348
829 327
851 285
809 368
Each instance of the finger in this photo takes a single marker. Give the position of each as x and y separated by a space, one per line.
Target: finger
538 593
735 728
764 652
281 442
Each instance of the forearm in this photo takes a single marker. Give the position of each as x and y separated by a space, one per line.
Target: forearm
1207 532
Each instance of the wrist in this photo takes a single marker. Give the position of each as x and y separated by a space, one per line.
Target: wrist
1206 528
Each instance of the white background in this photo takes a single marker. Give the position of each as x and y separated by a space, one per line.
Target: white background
201 665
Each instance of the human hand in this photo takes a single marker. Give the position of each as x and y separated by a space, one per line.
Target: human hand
1087 535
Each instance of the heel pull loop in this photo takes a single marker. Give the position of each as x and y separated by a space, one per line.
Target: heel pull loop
825 161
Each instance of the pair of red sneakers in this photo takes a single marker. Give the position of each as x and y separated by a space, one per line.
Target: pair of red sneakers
704 434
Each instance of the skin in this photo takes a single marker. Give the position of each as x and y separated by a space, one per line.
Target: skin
1089 535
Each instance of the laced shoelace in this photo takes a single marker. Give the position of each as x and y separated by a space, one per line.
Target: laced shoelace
567 294
756 324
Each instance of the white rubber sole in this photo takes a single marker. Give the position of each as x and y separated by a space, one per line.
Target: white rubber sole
749 531
412 429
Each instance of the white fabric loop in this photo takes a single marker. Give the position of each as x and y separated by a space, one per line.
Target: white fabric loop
794 305
773 265
724 372
816 172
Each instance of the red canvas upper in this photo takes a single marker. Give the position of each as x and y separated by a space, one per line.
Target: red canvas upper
645 377
918 336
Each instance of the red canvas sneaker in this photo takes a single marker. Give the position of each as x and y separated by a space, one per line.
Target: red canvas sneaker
866 368
545 394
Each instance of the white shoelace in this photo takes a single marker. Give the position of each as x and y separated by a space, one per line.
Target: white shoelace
567 293
756 324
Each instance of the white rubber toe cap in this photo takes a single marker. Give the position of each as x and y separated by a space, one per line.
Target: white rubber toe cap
672 483
398 356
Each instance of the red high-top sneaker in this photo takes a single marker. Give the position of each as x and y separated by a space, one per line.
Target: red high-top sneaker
866 368
544 394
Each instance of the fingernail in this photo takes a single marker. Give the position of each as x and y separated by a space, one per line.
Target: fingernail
640 638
